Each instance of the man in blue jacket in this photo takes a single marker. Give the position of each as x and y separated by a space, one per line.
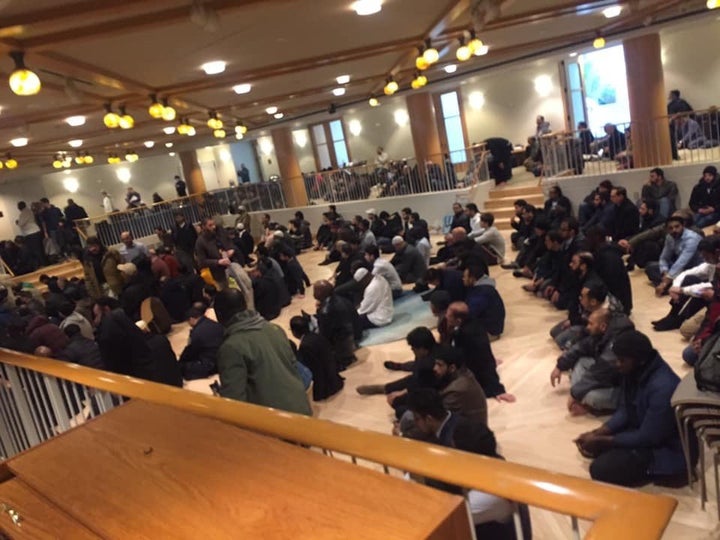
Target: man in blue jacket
640 443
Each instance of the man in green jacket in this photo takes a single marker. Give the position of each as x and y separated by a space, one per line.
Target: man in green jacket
255 361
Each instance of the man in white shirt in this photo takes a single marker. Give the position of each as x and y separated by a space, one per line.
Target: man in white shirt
491 240
473 214
376 308
131 248
383 268
30 231
107 203
381 160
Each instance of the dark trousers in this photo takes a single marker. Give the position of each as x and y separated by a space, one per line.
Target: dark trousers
365 323
623 467
34 242
687 306
400 384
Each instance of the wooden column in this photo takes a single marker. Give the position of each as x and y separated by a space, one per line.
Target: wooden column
648 111
423 127
291 177
192 172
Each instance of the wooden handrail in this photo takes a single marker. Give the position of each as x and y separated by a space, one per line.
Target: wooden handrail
616 513
7 267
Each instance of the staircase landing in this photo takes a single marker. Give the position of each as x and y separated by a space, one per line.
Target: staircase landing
500 202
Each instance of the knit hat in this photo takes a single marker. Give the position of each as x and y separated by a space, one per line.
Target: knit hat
397 240
633 344
360 274
710 169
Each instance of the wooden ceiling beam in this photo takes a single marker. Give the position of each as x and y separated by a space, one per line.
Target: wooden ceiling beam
640 15
143 21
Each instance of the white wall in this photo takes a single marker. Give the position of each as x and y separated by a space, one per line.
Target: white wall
303 150
266 154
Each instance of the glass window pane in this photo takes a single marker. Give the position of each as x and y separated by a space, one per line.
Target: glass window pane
341 153
336 131
450 106
319 133
574 76
578 108
324 156
456 139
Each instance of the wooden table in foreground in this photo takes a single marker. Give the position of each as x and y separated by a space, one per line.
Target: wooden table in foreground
149 471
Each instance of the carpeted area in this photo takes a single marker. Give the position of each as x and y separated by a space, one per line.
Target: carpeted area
410 312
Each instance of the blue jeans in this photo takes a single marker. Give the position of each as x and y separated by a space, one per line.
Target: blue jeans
708 219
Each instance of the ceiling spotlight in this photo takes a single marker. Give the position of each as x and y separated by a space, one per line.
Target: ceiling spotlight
242 88
599 42
131 156
612 12
89 159
391 86
156 108
126 121
168 113
111 120
278 116
75 143
482 50
171 154
338 92
191 131
168 145
463 52
573 54
214 67
450 68
239 136
23 82
214 122
474 44
367 7
169 130
219 134
343 79
75 121
10 163
19 141
419 81
373 101
431 54
271 110
149 144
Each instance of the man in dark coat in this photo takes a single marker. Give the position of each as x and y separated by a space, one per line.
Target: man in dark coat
213 250
184 236
268 291
471 338
74 211
705 198
640 443
337 322
81 350
408 261
199 358
624 220
316 353
165 368
610 267
460 218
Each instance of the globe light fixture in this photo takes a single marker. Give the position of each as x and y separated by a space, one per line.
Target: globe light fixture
463 53
373 101
111 119
156 108
219 134
599 42
168 113
126 121
431 54
23 81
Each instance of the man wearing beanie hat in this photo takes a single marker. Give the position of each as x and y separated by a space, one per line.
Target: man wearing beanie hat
640 443
376 308
705 198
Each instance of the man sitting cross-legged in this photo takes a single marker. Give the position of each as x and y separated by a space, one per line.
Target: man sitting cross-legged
593 379
376 308
679 253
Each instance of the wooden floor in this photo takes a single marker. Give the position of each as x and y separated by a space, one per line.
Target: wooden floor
536 430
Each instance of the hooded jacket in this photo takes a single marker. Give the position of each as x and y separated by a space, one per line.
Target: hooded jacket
486 304
705 194
602 374
257 365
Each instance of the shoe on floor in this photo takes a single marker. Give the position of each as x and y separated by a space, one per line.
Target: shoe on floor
370 389
325 262
394 366
667 323
509 266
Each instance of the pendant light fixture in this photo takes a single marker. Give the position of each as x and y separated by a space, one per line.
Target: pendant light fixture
373 101
463 52
219 133
23 82
10 162
131 156
156 108
214 122
111 119
391 86
431 54
168 113
241 128
475 44
126 121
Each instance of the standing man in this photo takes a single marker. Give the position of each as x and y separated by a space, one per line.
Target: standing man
255 362
73 212
30 231
133 199
180 186
107 203
131 248
676 105
244 174
50 217
184 236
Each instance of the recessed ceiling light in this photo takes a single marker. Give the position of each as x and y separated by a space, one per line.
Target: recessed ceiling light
271 110
343 79
367 7
75 121
19 141
149 144
451 68
214 67
278 116
75 143
242 88
171 154
573 54
338 92
168 145
612 12
481 51
169 130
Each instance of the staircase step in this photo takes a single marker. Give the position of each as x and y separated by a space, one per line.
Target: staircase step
502 213
515 193
507 202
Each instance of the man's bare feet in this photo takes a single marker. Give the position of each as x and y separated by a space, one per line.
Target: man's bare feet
508 398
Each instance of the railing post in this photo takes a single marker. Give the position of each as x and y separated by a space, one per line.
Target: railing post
24 407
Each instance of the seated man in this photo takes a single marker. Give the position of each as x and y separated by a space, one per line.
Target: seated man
705 198
376 308
557 206
471 338
491 240
593 379
587 207
445 279
646 245
199 357
692 289
381 267
548 267
593 296
660 191
408 261
483 300
679 253
337 321
624 220
640 442
521 231
315 352
422 343
295 277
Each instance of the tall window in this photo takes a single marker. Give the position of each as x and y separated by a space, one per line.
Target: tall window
453 126
330 148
